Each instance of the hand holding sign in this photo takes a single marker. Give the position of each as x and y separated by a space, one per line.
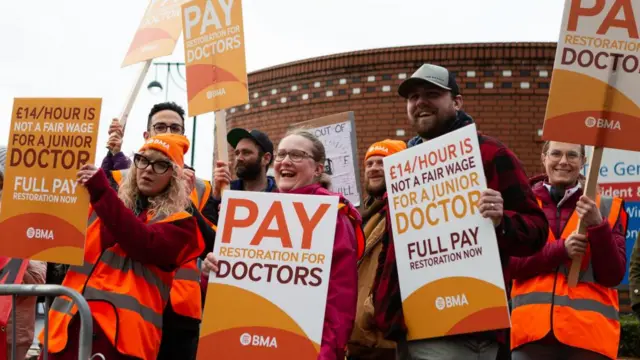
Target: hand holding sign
491 206
588 212
86 172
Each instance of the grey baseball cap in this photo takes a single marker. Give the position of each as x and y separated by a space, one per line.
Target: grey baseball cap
429 74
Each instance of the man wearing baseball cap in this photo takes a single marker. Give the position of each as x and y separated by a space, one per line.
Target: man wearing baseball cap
253 152
367 342
434 108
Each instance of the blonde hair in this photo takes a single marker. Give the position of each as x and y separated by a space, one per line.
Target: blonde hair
318 154
172 200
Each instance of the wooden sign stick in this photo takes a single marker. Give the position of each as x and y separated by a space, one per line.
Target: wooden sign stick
133 95
592 177
590 190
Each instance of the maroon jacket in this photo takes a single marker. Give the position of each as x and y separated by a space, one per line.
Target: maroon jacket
162 244
608 252
522 232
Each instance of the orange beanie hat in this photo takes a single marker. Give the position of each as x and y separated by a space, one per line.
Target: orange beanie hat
172 145
385 148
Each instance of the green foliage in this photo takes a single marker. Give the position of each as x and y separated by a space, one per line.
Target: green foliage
629 336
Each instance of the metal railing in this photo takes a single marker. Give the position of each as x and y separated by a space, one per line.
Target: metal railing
86 321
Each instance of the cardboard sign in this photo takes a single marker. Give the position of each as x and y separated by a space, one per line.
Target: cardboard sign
214 55
158 32
594 87
268 299
447 254
44 211
338 135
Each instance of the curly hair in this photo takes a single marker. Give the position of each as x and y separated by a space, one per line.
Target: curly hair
172 200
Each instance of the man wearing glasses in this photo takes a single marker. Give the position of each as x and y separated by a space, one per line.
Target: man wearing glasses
181 320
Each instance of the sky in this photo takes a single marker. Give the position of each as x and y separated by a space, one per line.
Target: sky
74 48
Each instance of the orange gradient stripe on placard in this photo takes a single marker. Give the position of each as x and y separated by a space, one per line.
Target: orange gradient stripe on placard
574 97
231 312
157 34
69 240
486 309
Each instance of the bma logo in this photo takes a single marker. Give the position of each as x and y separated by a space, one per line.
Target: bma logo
602 123
40 234
247 339
451 301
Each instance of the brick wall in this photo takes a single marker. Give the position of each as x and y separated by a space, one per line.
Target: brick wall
504 87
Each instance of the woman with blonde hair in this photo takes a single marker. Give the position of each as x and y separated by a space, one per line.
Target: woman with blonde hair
136 240
299 169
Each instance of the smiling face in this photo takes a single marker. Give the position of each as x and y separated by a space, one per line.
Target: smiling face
562 163
374 176
154 171
430 108
295 164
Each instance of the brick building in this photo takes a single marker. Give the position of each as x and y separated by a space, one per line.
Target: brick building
504 88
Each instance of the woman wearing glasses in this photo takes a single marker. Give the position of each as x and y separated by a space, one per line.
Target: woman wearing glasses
299 169
136 239
550 319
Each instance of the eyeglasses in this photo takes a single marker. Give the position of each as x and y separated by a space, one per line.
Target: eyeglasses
556 155
161 128
294 155
159 166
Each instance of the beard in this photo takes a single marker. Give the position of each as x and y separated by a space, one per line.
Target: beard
249 171
376 191
434 128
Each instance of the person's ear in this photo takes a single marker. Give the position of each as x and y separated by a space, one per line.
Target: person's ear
457 102
146 135
266 159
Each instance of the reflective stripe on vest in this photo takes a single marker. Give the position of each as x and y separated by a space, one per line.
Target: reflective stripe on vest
185 296
360 239
127 299
586 316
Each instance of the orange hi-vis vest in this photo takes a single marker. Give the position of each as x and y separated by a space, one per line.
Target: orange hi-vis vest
127 298
186 295
585 316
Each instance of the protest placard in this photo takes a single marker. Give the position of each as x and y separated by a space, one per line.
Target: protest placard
214 53
594 85
447 254
44 211
268 299
338 135
158 32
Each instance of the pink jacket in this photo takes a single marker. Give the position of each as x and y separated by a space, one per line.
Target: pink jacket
340 311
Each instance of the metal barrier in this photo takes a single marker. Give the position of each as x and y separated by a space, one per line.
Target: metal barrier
86 321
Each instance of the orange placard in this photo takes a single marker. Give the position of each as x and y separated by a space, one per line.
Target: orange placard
44 212
215 55
158 32
594 86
